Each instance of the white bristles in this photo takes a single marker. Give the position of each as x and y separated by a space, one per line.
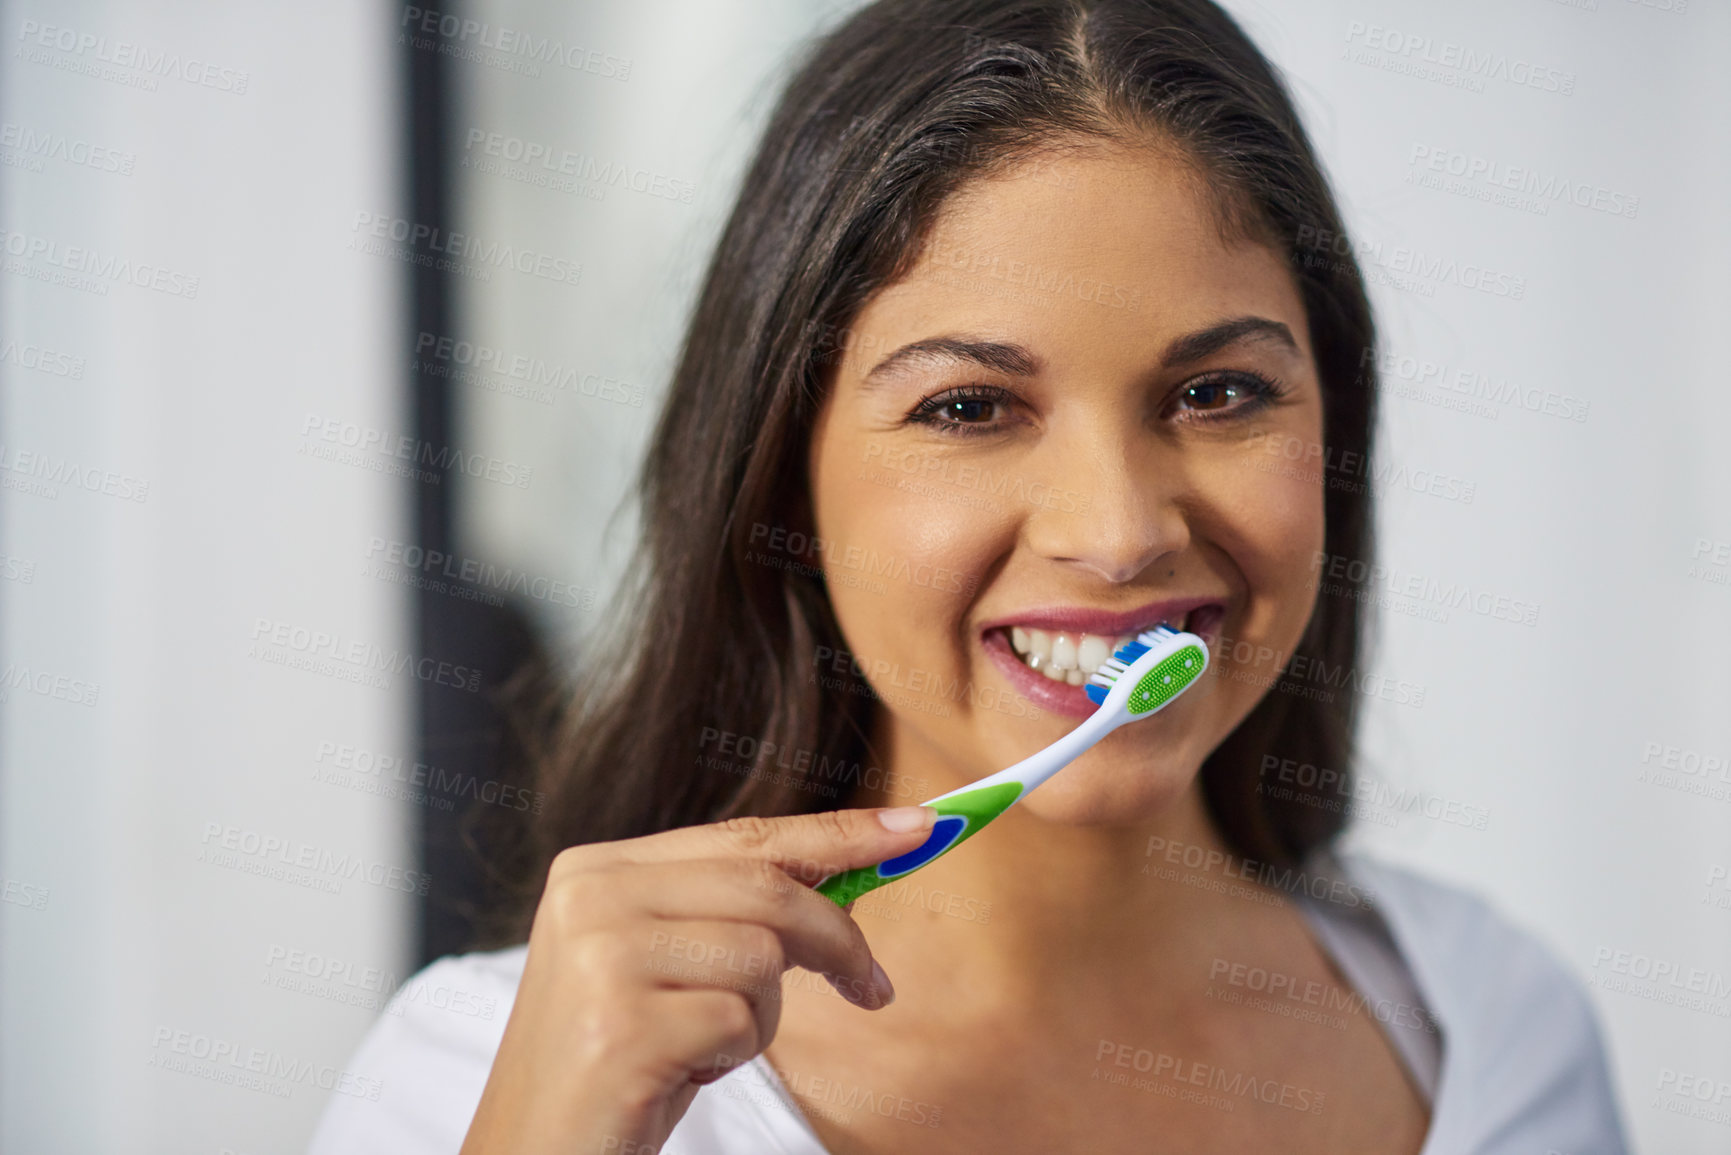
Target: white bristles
1113 668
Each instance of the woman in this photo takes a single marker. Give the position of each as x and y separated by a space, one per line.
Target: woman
1009 349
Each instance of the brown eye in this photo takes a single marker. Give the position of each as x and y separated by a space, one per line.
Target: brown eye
1211 396
1226 395
971 409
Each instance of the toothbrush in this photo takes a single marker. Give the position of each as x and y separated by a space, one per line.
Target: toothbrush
1143 676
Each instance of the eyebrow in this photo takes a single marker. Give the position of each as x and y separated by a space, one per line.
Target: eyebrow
1206 342
1018 361
999 356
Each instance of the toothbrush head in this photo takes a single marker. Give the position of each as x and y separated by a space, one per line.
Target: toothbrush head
1146 674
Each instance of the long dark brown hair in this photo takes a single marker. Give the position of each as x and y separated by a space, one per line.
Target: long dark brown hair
888 115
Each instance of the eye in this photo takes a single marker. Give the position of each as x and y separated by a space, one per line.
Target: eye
1228 393
970 409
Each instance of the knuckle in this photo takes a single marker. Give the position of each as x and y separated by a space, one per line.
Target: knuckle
838 825
748 832
733 1019
574 900
603 955
573 862
765 944
567 861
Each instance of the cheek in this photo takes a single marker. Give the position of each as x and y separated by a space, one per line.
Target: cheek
903 553
1269 517
1290 523
1285 520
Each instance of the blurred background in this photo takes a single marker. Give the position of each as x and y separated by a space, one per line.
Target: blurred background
320 393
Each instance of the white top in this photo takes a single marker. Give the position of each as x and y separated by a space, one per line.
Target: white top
1518 1065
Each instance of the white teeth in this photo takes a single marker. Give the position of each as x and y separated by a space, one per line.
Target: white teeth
1065 657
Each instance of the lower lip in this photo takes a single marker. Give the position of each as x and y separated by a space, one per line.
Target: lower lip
1061 697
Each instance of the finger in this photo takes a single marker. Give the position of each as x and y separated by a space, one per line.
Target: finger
812 932
809 847
815 934
705 1033
742 957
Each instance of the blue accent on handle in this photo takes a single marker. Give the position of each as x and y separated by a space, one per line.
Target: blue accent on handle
944 833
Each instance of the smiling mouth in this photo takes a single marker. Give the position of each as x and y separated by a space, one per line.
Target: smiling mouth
1070 657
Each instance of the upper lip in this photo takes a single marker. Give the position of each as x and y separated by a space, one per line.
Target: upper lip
1104 623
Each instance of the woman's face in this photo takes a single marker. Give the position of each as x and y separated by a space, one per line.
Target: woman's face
1067 424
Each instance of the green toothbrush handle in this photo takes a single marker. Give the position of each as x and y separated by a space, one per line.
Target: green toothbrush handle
959 816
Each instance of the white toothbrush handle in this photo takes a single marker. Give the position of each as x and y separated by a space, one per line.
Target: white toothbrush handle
1037 767
963 812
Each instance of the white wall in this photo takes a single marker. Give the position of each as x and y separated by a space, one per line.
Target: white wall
1541 729
119 922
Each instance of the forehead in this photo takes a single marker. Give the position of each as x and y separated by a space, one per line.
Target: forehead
1104 248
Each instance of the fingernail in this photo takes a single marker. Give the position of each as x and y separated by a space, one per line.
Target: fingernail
886 992
902 819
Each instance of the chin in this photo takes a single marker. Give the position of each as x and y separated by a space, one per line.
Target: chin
1104 787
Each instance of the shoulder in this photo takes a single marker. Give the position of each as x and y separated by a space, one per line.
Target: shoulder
1524 1059
426 1059
1458 942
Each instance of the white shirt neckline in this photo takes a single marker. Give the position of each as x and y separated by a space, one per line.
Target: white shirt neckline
1363 946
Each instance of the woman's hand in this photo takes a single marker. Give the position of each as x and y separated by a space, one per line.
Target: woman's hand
655 965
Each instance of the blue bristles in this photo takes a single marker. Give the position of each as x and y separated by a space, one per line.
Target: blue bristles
1126 655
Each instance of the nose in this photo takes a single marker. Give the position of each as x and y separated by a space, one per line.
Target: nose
1113 507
